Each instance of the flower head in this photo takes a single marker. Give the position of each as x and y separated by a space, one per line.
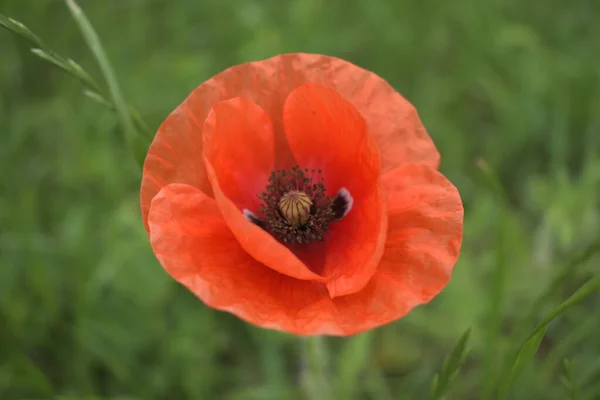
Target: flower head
301 193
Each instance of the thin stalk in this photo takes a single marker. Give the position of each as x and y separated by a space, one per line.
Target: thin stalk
316 375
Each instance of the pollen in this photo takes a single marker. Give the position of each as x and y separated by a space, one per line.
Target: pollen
295 207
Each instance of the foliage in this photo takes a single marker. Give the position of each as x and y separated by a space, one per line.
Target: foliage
86 312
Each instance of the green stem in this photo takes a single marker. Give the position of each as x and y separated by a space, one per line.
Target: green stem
316 376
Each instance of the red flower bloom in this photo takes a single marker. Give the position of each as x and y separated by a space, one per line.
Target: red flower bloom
361 232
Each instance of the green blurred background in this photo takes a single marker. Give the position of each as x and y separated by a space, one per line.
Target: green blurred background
86 312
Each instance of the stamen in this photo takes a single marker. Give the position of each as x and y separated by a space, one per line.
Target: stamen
296 208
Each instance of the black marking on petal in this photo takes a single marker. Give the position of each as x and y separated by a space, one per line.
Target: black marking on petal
250 216
342 203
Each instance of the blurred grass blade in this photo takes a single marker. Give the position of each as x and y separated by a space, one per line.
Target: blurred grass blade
42 51
376 387
443 380
69 66
20 29
93 41
74 69
137 119
497 288
568 379
588 288
350 363
523 357
82 74
98 98
588 379
494 182
316 371
139 122
527 350
571 266
37 378
56 60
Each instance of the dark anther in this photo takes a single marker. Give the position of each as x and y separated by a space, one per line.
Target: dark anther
342 203
295 207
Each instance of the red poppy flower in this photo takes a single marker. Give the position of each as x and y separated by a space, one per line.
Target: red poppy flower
301 193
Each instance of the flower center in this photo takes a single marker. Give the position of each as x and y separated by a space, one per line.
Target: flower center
295 207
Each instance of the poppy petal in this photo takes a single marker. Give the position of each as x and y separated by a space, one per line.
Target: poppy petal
196 247
258 243
422 246
391 119
326 132
424 231
238 141
174 157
